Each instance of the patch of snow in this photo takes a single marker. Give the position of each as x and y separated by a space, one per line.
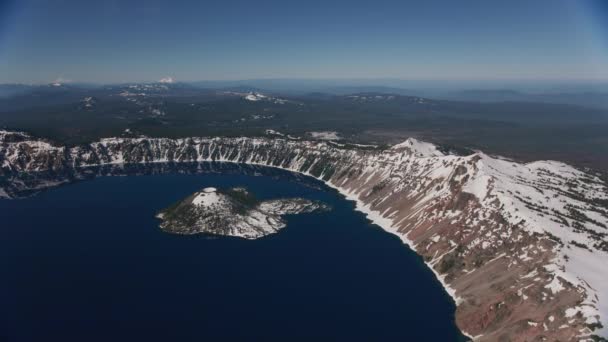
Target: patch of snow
555 285
207 198
325 135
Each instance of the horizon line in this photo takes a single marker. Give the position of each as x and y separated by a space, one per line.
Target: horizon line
318 79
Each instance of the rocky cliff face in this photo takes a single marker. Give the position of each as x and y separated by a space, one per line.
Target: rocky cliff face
522 248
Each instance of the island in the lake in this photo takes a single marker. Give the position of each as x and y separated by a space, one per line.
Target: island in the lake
232 212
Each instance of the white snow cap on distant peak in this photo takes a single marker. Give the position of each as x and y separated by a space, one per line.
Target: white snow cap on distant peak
59 81
167 79
251 96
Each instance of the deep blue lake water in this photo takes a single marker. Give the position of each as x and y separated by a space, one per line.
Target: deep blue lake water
87 262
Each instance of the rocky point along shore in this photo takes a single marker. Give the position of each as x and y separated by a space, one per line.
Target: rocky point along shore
232 212
522 248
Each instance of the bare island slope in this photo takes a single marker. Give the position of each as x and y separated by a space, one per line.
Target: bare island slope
522 248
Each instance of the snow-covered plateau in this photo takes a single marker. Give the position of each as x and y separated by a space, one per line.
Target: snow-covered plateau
522 248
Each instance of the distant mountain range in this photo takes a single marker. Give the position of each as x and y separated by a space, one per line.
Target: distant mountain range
583 96
500 121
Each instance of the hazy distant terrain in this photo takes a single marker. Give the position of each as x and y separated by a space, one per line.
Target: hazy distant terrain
505 122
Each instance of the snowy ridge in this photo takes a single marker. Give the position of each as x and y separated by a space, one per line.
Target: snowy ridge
532 195
513 243
420 148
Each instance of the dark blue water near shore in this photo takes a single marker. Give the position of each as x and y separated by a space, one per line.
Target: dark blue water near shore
87 262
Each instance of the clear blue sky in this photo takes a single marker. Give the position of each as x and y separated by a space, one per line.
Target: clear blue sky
137 40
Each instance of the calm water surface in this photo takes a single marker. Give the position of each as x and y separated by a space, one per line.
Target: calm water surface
87 262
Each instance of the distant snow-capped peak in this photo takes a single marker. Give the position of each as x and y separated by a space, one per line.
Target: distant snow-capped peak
59 81
168 80
254 96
